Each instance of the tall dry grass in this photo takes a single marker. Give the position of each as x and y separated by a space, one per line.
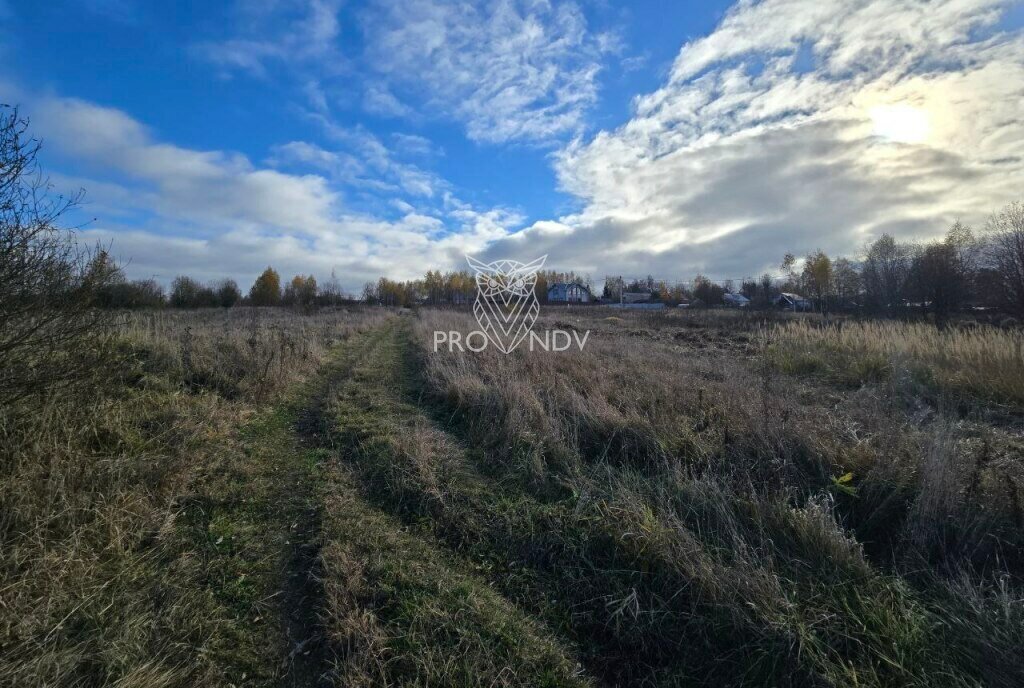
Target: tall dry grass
97 585
239 353
780 536
983 362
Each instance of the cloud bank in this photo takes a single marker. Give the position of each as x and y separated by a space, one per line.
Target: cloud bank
510 70
172 210
797 125
794 125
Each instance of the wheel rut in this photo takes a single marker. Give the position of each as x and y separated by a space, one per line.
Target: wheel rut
309 662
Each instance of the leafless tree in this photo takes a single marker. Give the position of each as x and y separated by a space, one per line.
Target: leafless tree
886 270
847 282
765 293
943 273
331 294
49 326
1005 254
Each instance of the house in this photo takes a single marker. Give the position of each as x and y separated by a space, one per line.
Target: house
792 302
568 292
735 300
635 297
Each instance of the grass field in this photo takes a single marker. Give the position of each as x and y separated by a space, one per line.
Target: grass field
258 497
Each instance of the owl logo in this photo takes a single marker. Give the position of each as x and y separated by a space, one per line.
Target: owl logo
506 306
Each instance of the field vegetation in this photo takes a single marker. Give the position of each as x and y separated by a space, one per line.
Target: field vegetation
310 495
983 362
120 498
267 497
723 524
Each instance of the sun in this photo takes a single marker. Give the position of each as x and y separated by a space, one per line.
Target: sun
901 123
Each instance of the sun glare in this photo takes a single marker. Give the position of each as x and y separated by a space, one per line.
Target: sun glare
900 123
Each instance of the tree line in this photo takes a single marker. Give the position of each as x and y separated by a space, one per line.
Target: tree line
942 277
890 277
43 271
303 291
961 270
452 288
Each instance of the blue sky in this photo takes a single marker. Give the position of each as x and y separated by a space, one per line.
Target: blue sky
145 59
377 137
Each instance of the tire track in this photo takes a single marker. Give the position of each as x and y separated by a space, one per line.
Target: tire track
401 595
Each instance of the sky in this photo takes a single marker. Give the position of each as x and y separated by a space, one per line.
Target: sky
619 138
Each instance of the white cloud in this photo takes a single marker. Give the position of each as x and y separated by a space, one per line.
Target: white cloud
379 100
364 161
412 144
521 70
765 140
198 185
285 31
173 210
508 70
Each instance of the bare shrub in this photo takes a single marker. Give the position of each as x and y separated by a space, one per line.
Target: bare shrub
49 329
1006 254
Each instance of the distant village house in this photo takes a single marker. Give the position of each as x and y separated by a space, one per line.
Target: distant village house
735 300
569 292
636 296
793 302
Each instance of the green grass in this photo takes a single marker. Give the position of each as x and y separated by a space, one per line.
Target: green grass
242 522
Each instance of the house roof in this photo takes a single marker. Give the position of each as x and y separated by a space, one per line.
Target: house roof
566 285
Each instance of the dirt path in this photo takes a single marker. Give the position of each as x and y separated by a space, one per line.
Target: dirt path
406 556
254 522
321 580
402 606
576 583
310 660
541 559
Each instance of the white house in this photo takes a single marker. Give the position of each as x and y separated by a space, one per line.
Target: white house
568 292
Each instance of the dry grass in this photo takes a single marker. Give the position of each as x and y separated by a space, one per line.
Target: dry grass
983 362
726 495
400 609
97 585
663 508
240 353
